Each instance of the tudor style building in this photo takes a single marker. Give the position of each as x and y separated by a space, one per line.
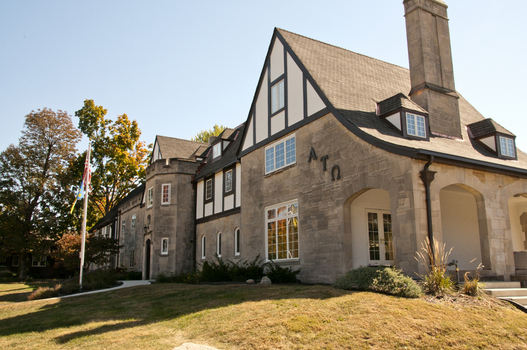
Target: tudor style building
345 160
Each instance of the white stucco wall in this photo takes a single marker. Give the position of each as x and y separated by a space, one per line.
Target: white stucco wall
218 192
261 115
238 184
199 200
277 60
314 102
517 206
295 92
229 202
278 123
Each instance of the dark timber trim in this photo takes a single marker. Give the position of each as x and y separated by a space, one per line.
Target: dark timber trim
219 215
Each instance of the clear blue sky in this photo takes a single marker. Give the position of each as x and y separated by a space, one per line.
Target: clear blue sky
178 67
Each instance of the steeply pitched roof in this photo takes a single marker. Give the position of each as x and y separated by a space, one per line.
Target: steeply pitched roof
228 157
487 127
177 148
351 83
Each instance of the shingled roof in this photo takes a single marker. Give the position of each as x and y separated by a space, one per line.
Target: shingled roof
487 127
177 148
351 84
396 102
228 157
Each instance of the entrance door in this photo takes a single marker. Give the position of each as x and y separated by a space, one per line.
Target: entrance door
380 240
147 260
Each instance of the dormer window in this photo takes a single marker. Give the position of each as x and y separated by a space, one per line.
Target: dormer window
507 148
415 125
216 150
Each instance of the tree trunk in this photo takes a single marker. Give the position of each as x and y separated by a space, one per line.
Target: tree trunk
22 270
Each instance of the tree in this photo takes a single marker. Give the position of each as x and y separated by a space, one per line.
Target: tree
119 159
204 135
35 184
99 250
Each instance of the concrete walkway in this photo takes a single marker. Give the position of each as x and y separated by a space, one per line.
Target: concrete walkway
125 284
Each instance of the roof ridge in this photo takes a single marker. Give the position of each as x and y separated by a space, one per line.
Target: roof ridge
177 138
341 48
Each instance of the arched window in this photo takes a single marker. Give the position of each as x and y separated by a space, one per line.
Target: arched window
203 247
218 245
236 241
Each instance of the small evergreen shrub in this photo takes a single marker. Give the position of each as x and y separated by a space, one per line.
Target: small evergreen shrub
244 270
169 277
360 278
393 281
279 274
215 271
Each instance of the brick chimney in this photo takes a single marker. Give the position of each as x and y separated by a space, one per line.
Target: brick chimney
431 70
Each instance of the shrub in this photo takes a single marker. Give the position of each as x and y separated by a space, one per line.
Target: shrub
393 281
244 270
436 281
279 274
168 277
45 292
473 287
358 279
215 271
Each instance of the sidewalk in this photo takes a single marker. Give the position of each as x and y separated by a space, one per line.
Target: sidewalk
125 284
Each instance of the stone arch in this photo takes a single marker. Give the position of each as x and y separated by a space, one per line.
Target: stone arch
356 208
464 226
517 204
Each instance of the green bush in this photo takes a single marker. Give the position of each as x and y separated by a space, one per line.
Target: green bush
393 281
244 270
169 277
279 274
358 279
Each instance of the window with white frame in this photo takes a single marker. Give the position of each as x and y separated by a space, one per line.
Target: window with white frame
507 147
280 154
38 261
218 245
123 227
237 241
282 231
164 246
216 150
277 96
132 258
203 247
415 125
208 189
150 197
165 194
228 181
132 225
15 260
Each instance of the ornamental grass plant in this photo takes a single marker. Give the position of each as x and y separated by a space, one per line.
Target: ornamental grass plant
436 280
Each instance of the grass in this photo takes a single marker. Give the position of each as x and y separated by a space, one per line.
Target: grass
164 316
19 291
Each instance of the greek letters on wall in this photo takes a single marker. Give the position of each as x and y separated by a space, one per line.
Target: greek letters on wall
335 170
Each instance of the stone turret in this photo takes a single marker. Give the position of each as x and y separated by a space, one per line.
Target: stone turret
431 69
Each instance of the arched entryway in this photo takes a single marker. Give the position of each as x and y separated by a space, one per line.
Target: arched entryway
147 259
518 219
371 228
463 223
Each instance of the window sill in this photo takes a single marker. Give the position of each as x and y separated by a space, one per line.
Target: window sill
285 261
280 170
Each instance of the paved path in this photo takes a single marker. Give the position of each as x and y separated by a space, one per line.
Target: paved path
125 284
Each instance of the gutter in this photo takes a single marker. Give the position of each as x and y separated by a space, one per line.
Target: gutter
428 176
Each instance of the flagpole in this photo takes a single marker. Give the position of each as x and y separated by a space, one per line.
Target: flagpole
85 211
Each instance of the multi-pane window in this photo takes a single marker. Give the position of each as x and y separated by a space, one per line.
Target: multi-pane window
415 125
150 197
208 189
132 225
237 241
277 96
507 147
164 246
165 194
282 231
228 181
218 245
216 150
380 238
38 261
280 154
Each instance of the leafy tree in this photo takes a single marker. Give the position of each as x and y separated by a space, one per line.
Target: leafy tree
99 250
119 159
204 135
35 184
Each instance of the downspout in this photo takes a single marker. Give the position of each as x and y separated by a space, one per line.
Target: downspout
428 176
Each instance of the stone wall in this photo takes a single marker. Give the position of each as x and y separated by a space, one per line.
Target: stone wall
226 225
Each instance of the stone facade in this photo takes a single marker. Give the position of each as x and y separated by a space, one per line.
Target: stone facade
130 238
210 229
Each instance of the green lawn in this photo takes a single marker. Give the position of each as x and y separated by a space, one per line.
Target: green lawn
164 316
